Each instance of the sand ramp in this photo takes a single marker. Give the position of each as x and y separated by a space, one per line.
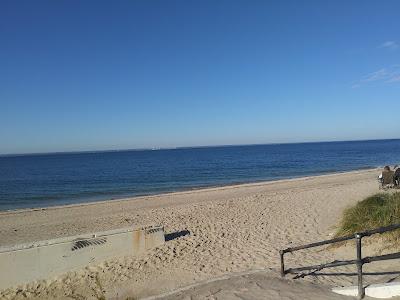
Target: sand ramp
257 285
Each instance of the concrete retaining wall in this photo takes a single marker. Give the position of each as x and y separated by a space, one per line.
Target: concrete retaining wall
43 260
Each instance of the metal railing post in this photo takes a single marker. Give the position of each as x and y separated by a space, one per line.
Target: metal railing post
359 261
281 253
359 266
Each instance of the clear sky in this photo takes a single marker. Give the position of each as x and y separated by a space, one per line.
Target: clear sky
93 75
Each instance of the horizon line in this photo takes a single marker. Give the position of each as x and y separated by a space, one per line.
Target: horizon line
184 147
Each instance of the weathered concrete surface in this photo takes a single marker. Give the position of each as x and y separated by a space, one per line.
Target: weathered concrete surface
258 285
381 291
46 259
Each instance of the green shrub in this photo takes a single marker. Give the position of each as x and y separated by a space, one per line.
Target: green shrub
376 211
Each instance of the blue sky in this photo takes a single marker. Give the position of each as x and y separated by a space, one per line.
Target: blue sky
94 75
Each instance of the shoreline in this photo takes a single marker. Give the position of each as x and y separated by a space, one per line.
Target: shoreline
183 192
216 231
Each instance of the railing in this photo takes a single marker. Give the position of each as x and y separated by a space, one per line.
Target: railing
359 261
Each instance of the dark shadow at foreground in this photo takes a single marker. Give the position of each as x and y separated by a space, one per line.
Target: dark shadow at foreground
175 235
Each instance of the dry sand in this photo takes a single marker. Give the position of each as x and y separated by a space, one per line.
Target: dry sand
232 229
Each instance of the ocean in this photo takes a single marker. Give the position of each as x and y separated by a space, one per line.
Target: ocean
41 180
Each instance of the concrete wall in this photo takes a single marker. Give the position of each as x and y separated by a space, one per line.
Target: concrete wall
47 259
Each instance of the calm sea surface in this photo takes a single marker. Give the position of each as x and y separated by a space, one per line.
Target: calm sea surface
54 179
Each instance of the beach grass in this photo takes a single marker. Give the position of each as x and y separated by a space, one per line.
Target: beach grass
379 210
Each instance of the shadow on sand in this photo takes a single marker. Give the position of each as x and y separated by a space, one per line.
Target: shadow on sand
354 274
175 235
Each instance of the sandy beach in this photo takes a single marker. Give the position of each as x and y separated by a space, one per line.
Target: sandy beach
223 230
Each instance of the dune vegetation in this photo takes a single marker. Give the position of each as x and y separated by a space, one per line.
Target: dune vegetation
379 210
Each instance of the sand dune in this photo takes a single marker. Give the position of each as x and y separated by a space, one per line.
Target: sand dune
231 229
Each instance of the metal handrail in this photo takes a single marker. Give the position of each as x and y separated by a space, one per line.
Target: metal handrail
359 261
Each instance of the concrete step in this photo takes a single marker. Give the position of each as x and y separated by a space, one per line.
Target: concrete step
381 291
